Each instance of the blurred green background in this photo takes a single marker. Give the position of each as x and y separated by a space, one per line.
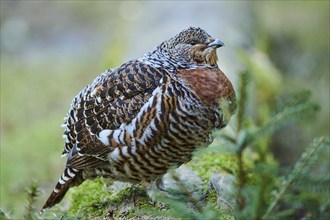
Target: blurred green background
51 50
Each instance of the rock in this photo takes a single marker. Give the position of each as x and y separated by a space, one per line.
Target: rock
224 185
186 175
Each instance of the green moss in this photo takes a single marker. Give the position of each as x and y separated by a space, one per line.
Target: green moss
121 195
212 198
209 162
91 199
143 203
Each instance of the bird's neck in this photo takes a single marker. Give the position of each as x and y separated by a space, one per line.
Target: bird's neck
158 59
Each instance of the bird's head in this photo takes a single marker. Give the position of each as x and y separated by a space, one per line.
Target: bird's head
190 48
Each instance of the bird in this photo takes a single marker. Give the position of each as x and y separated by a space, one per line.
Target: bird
135 122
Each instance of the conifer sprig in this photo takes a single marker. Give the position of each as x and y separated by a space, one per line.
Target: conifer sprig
302 165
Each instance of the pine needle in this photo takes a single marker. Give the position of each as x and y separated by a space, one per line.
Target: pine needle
301 165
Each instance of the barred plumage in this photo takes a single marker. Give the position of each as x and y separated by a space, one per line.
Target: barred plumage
135 122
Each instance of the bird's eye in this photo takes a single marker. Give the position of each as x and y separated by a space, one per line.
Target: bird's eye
193 42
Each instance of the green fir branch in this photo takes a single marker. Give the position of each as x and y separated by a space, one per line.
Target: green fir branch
4 214
33 193
241 105
313 184
284 117
240 140
300 166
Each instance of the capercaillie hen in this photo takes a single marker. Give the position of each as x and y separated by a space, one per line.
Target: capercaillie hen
136 121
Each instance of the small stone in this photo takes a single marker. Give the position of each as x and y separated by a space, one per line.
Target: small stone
186 175
225 186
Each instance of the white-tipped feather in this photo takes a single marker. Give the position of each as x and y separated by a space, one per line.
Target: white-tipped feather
65 178
99 100
65 137
61 181
103 136
115 154
115 135
70 173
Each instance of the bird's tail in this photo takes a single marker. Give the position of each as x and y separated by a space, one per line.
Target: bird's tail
68 178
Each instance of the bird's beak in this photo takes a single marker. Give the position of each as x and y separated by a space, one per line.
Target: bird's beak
216 44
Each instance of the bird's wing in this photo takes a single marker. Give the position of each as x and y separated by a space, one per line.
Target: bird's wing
113 99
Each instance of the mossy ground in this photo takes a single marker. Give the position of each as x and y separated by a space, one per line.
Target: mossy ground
94 198
90 199
210 162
